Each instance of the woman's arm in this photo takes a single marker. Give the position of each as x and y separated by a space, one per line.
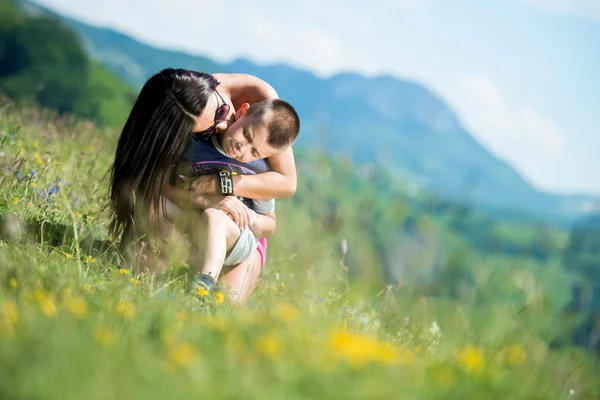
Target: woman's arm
279 183
185 198
244 88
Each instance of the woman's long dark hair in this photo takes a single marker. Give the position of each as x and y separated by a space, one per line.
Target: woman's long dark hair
153 140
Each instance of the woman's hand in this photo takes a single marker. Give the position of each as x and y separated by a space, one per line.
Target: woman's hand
239 213
203 184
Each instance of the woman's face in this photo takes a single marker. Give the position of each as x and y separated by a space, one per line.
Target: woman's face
207 119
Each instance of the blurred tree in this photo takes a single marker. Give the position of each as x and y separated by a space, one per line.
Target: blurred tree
42 59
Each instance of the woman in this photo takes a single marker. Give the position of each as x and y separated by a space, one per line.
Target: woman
173 105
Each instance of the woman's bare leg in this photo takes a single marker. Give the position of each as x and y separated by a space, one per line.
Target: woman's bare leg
241 279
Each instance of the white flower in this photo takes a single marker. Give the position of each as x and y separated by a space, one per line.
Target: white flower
344 246
435 329
435 332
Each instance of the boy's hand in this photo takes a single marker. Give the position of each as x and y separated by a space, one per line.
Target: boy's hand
239 213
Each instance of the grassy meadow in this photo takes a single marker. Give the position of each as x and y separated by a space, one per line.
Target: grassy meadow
77 323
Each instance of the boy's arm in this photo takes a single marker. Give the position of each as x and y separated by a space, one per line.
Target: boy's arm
279 183
264 222
264 225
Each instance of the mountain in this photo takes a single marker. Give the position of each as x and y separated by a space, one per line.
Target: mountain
392 123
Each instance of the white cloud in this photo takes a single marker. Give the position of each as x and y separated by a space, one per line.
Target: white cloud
300 43
584 8
517 133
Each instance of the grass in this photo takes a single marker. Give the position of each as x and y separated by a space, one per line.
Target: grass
75 322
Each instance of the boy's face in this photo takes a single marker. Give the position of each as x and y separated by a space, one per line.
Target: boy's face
246 138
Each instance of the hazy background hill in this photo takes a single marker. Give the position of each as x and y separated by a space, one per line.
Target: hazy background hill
395 124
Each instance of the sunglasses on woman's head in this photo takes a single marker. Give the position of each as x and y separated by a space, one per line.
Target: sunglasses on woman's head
220 116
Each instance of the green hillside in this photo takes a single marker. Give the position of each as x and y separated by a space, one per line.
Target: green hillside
464 320
43 61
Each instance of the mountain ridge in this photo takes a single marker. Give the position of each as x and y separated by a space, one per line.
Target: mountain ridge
395 123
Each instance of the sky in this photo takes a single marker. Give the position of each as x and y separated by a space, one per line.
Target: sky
521 74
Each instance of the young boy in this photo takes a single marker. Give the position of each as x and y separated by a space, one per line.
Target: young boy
234 227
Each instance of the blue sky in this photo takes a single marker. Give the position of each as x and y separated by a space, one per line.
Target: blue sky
521 74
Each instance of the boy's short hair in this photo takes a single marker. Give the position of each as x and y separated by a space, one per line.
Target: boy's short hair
281 119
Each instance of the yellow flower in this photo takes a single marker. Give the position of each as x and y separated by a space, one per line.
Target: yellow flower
68 255
13 283
219 298
134 281
126 309
78 214
47 303
90 259
286 313
359 349
16 200
182 354
76 306
355 348
104 336
471 358
515 355
269 345
202 291
34 145
283 285
38 158
124 271
9 314
33 185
